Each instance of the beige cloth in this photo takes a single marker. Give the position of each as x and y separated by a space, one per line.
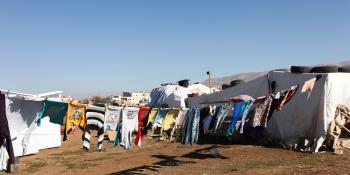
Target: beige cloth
308 86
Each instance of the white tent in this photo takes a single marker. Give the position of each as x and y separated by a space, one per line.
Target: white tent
301 118
174 95
27 136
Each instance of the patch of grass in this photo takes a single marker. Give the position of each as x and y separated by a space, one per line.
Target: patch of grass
35 165
106 157
74 165
66 153
307 161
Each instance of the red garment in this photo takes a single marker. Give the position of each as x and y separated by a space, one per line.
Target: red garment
143 116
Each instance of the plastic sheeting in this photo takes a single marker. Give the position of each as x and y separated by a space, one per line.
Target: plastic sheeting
301 118
27 137
171 95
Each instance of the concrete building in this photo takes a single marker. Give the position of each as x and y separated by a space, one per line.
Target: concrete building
133 98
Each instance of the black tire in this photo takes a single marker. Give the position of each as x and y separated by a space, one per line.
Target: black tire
236 82
225 86
184 83
300 69
324 69
282 70
193 95
344 69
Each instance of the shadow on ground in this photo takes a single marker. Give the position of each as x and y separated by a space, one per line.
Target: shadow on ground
172 161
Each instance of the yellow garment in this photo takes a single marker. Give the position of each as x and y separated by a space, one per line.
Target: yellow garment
170 118
151 116
75 116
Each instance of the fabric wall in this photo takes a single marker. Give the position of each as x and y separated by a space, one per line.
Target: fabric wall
254 88
304 117
301 117
28 138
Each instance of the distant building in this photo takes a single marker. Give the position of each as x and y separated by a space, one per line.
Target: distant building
127 94
132 98
117 99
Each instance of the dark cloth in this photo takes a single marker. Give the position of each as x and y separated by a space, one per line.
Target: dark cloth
204 112
260 112
5 137
280 99
214 119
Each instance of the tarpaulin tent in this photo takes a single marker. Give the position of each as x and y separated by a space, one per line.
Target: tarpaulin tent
304 117
174 95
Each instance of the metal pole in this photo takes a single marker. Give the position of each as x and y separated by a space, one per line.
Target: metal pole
209 74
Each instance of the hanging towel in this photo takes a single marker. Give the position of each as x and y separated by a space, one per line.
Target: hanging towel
56 110
221 116
112 117
308 86
245 114
75 117
170 119
152 115
129 126
179 123
240 107
287 96
190 132
158 119
260 112
142 117
95 116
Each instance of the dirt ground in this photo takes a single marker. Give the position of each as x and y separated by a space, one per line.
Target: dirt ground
159 157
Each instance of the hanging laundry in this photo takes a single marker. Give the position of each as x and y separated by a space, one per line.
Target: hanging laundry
142 123
129 126
240 107
95 116
204 113
158 119
75 117
179 123
245 114
6 155
112 117
259 114
191 130
308 86
221 116
286 96
170 119
118 136
152 116
112 120
280 99
214 119
56 110
207 119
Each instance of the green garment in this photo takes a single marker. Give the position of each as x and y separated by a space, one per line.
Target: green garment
55 110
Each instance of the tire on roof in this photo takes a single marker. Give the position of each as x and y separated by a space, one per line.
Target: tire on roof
300 69
236 82
324 69
344 69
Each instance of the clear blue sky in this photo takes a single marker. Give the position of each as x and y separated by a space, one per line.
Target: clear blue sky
86 46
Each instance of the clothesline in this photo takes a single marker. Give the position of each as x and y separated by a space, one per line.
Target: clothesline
318 77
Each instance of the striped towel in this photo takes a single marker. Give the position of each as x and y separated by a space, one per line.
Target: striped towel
94 121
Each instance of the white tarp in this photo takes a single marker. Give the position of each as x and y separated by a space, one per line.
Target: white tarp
174 95
28 138
301 118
